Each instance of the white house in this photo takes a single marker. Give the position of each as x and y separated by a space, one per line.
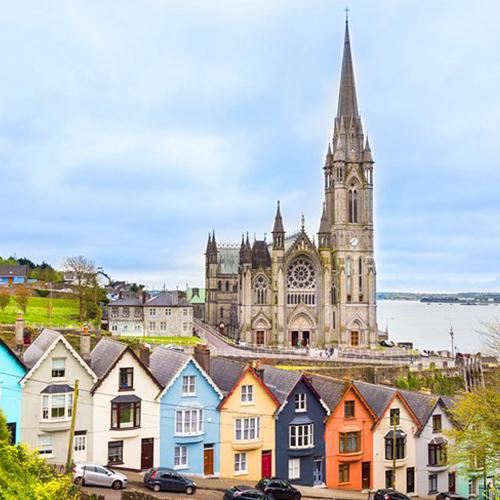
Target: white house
126 316
47 399
126 418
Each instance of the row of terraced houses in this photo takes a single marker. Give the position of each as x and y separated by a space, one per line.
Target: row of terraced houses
213 416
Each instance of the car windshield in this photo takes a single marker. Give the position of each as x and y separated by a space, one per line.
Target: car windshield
110 470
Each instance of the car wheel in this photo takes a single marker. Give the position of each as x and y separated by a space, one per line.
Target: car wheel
298 496
117 485
79 481
189 490
156 487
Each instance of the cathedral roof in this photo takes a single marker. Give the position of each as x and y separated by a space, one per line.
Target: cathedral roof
260 255
228 258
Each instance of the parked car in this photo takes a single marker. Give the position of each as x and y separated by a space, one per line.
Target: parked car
278 489
446 495
387 343
98 475
389 494
243 492
164 479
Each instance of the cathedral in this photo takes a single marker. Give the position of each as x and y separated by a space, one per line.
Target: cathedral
298 291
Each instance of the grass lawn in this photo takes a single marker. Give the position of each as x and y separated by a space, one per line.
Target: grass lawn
185 341
64 312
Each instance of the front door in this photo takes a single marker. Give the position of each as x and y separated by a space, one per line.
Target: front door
355 339
259 337
208 460
318 472
365 475
295 339
410 480
147 448
451 482
267 468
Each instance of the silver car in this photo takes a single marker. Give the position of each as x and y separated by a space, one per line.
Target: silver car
98 475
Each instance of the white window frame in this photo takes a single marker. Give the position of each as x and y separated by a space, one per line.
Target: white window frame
294 468
188 421
163 326
300 402
48 449
47 406
247 394
240 463
80 443
181 457
301 436
152 326
64 368
247 429
189 385
152 311
185 327
168 311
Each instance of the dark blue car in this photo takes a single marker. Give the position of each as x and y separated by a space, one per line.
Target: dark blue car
163 479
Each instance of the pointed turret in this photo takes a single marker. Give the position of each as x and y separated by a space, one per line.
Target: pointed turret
348 103
278 230
367 153
324 229
329 157
209 244
247 252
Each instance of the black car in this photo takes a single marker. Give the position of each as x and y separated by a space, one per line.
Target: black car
243 492
389 494
163 479
278 489
446 495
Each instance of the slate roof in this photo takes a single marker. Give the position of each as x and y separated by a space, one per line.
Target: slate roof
422 405
57 389
36 350
126 301
9 271
376 396
225 373
104 355
228 258
168 299
164 363
280 382
260 255
331 390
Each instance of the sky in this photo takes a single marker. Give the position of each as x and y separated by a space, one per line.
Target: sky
130 129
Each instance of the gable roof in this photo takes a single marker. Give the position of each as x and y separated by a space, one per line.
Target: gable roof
14 356
422 405
378 397
168 299
331 390
106 354
43 345
13 270
225 373
126 301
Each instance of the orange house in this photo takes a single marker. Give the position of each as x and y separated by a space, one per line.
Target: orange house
349 443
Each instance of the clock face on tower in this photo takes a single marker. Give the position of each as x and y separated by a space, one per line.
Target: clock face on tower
354 243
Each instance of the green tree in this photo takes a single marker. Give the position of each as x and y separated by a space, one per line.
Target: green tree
84 273
23 474
475 441
22 295
4 298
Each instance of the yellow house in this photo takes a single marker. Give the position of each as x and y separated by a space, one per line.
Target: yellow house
247 422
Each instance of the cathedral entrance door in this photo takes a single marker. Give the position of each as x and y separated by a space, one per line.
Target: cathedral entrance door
354 339
305 339
259 337
295 339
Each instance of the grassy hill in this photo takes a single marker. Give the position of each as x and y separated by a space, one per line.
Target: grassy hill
64 312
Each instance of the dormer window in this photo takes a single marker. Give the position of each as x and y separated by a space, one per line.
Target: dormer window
126 379
300 402
394 416
247 394
58 367
188 385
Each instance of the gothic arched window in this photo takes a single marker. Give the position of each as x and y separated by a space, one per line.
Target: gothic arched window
352 204
301 282
227 286
348 272
360 279
260 287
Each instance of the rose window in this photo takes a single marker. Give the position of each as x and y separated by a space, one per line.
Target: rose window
301 274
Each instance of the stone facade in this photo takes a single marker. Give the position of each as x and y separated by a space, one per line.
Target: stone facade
294 292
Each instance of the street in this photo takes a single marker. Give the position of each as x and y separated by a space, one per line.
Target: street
110 494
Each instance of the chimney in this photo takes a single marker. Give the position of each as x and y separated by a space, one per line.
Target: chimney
19 329
201 354
144 354
144 296
256 365
85 343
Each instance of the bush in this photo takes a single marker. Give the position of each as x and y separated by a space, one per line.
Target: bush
42 293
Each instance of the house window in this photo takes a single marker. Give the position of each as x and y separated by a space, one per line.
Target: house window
163 326
185 312
433 483
389 479
294 468
246 429
137 312
58 367
350 442
394 416
300 402
437 454
180 457
57 406
436 423
301 436
45 444
343 473
114 312
472 487
115 452
152 311
168 311
400 445
125 312
247 394
188 421
452 483
126 415
80 441
349 409
126 379
240 463
188 385
152 326
185 327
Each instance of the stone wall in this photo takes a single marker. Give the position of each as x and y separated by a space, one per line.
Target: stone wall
130 494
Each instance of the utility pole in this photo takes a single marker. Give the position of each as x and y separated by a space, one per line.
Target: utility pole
394 420
69 459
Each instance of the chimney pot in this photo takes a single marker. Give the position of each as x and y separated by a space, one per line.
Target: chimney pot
201 354
85 343
19 330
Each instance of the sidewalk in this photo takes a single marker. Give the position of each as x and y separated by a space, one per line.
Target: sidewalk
219 484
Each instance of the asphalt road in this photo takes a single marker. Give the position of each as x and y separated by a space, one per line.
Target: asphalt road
110 494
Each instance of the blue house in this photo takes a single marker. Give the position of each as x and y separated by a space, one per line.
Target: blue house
11 372
300 428
189 420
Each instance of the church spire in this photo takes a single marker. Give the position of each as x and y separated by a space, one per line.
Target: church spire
348 104
278 230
